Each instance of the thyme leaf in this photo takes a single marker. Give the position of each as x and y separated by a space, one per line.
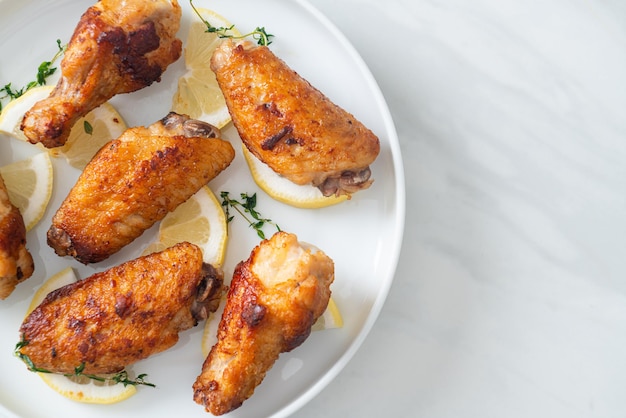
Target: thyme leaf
248 205
259 33
44 71
88 128
119 377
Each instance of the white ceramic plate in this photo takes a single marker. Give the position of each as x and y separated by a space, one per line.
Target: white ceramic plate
363 235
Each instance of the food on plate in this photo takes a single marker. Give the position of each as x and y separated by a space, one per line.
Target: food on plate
115 318
13 113
117 47
29 183
16 263
83 389
290 125
282 189
200 221
89 134
104 390
61 278
330 319
274 298
197 93
80 388
133 182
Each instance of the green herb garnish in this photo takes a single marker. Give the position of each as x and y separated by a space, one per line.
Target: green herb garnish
248 204
119 377
44 71
259 34
88 128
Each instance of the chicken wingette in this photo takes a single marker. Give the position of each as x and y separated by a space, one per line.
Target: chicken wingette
117 317
16 263
133 182
274 298
117 47
290 125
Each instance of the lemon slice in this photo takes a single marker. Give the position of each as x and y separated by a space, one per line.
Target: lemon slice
12 115
78 388
283 190
29 183
88 135
198 94
331 318
60 279
201 221
83 389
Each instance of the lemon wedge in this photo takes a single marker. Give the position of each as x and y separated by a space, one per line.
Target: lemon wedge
29 184
198 94
201 221
78 388
88 135
283 190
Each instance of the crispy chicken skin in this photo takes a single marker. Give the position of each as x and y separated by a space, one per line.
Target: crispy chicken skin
133 182
290 125
274 298
117 47
115 318
16 263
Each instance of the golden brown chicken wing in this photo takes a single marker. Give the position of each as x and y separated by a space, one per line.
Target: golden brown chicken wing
117 47
127 313
16 263
291 126
133 182
274 299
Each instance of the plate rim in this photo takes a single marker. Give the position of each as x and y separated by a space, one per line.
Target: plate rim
400 210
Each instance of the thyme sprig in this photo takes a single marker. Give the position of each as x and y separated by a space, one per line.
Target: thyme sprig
247 205
119 377
44 71
259 33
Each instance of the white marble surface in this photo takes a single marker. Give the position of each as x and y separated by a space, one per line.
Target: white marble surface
510 295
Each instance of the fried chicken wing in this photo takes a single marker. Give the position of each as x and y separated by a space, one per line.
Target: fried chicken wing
290 125
274 298
117 47
133 182
115 318
16 263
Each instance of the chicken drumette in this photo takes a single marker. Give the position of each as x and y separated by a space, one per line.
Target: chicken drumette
274 298
117 47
